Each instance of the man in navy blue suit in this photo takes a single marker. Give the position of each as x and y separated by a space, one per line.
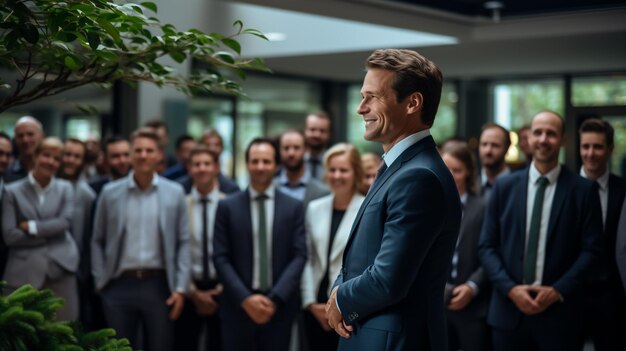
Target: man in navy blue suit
389 293
604 301
540 240
259 250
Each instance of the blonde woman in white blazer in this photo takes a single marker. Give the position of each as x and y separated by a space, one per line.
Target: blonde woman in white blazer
329 219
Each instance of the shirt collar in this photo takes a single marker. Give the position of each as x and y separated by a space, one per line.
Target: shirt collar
603 180
397 150
553 175
464 199
213 195
483 174
270 192
133 185
283 180
33 182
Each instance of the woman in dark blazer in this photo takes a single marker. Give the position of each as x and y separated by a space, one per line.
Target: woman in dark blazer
328 221
37 214
467 289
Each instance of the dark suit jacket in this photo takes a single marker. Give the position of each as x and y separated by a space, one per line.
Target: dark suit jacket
397 259
572 248
617 192
97 185
468 265
233 254
227 186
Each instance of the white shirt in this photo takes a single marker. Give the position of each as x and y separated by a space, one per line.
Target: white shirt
390 156
533 176
196 231
603 191
484 179
269 223
142 242
41 196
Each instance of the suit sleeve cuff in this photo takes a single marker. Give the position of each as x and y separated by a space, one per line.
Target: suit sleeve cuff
474 287
32 228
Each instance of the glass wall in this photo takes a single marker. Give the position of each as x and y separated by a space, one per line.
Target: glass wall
599 91
516 102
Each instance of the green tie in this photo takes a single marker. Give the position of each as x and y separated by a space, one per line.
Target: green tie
530 260
264 284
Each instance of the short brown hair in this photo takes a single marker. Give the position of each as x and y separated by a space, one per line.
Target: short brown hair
202 149
413 73
507 136
463 153
596 125
145 132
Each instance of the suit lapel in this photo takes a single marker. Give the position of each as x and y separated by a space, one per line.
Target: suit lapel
344 227
563 186
31 195
408 154
468 212
121 202
521 193
323 218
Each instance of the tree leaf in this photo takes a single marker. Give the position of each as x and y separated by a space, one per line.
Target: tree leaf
71 63
29 32
149 5
178 56
109 28
233 44
94 40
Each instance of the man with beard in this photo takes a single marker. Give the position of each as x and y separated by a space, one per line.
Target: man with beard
117 159
27 134
317 134
493 145
292 179
541 240
604 302
259 253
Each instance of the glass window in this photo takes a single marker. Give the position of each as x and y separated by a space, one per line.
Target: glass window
273 105
599 91
516 103
445 123
216 113
83 127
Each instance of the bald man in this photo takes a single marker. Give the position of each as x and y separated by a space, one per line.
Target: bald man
540 240
28 133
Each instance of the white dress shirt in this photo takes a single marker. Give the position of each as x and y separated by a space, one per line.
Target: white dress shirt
603 191
41 196
533 177
196 231
269 223
142 242
397 150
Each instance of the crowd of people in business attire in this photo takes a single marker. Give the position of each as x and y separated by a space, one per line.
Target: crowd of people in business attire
174 255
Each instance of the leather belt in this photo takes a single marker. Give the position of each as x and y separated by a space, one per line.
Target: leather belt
143 273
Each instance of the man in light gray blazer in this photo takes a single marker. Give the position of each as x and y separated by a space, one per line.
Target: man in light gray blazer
140 254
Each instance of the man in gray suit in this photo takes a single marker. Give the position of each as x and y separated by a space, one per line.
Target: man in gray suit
140 254
292 179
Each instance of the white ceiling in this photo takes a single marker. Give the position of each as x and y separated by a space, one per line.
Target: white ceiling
330 39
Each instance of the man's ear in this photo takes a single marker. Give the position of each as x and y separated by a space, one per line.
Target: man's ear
415 103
